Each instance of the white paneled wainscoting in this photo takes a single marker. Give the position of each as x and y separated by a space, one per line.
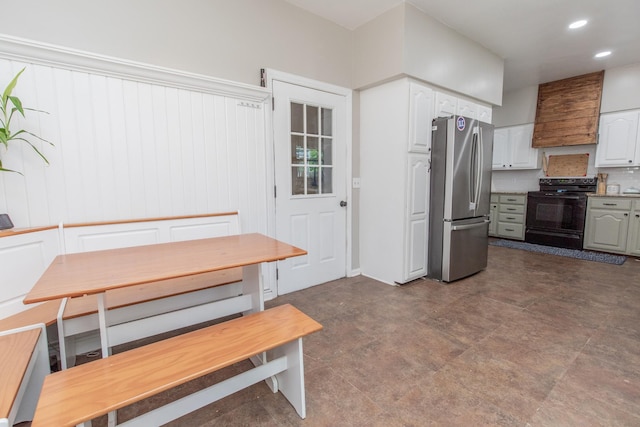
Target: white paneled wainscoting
131 141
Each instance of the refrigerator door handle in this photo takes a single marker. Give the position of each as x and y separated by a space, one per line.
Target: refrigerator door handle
473 173
479 168
469 226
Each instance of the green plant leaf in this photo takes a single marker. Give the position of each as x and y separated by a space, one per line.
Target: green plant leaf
34 148
10 86
17 103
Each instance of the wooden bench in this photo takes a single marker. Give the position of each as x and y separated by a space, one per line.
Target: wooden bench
46 313
82 393
78 317
24 362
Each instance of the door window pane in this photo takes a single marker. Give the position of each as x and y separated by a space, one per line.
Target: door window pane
327 151
327 122
313 181
312 150
297 149
312 120
297 117
327 180
297 181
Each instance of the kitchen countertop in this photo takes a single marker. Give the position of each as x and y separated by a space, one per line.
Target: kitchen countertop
510 192
632 195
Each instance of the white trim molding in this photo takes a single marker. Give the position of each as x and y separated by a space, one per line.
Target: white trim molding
18 49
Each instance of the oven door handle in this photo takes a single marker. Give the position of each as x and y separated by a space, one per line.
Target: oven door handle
563 196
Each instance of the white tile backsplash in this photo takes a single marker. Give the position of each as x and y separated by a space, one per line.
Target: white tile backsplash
527 180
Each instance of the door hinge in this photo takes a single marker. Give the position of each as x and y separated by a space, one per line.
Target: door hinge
273 104
275 191
277 274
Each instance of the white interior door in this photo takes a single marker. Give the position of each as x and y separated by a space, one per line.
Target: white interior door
310 175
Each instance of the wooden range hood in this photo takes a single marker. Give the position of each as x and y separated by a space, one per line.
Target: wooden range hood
568 111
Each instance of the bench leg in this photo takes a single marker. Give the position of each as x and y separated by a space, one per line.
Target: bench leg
291 381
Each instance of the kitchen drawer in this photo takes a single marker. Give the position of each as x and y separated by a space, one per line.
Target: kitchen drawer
507 229
513 209
513 198
610 203
511 217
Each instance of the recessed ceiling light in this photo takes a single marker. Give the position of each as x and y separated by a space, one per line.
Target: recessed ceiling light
603 54
578 24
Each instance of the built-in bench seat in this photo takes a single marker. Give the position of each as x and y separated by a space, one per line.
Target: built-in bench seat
24 362
45 312
82 393
79 316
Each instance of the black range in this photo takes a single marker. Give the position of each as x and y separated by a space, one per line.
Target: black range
556 214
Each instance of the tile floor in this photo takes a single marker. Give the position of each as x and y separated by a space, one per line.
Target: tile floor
535 340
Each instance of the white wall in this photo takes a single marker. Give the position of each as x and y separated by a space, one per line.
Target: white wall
128 146
621 91
379 48
229 39
406 41
439 55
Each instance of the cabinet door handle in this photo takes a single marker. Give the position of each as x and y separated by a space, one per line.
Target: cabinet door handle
626 214
511 209
510 217
610 204
637 215
509 229
511 200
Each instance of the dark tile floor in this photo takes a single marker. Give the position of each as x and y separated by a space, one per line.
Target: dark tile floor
535 340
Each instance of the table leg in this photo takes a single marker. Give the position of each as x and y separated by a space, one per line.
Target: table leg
252 285
104 344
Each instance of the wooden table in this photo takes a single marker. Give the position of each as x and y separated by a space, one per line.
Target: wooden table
96 272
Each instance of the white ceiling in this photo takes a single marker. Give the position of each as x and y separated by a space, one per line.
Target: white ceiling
531 35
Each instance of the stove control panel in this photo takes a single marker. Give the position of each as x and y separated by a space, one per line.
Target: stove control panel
568 181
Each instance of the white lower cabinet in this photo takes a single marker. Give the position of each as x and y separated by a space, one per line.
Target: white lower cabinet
395 120
613 225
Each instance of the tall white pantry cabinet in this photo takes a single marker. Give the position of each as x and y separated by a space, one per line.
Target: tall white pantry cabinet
395 138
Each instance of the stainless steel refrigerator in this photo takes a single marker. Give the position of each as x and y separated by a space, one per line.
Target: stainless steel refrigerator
461 154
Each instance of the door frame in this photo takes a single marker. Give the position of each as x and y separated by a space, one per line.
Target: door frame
268 77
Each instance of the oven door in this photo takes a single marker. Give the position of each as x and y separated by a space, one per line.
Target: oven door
556 219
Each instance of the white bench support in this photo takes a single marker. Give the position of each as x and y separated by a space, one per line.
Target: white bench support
281 368
27 397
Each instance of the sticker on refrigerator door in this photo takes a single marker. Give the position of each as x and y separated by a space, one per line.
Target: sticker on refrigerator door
460 123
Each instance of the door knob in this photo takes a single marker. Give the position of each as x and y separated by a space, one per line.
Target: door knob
343 203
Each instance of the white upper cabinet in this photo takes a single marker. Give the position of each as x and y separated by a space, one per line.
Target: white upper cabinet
446 105
420 117
619 143
449 105
512 148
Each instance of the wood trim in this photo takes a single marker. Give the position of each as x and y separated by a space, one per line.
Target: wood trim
568 111
15 48
17 231
131 221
